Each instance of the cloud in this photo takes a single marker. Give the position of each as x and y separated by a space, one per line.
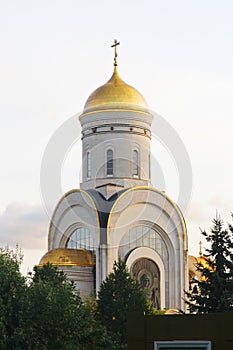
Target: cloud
24 224
200 215
196 213
221 202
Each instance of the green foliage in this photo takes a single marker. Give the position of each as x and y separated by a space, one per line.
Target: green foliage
118 295
54 316
44 312
57 318
214 292
153 311
99 338
12 298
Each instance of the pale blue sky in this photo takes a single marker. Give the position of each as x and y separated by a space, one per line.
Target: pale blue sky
179 54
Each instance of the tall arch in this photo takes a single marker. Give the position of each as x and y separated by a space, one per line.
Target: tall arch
148 205
75 209
142 252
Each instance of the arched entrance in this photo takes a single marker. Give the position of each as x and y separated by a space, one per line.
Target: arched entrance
147 274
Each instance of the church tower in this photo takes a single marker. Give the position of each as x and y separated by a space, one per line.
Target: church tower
116 213
116 138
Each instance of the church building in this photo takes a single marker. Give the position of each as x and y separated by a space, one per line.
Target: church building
117 213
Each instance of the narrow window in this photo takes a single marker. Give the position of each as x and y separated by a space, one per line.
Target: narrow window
135 162
88 164
109 162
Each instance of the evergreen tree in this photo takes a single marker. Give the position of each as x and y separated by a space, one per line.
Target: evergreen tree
214 291
119 294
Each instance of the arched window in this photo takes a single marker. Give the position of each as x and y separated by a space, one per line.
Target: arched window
88 164
142 236
81 238
109 162
135 163
147 273
144 269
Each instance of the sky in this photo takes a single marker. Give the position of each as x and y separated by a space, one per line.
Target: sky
54 53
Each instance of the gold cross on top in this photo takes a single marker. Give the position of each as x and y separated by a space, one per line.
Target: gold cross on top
115 51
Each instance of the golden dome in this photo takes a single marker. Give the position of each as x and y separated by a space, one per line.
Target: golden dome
205 261
192 262
115 94
67 257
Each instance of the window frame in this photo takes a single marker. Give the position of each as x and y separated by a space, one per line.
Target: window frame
109 163
88 164
135 166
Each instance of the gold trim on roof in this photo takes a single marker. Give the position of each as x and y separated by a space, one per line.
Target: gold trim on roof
51 223
161 193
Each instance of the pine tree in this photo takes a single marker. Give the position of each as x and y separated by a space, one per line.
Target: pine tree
214 291
119 294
